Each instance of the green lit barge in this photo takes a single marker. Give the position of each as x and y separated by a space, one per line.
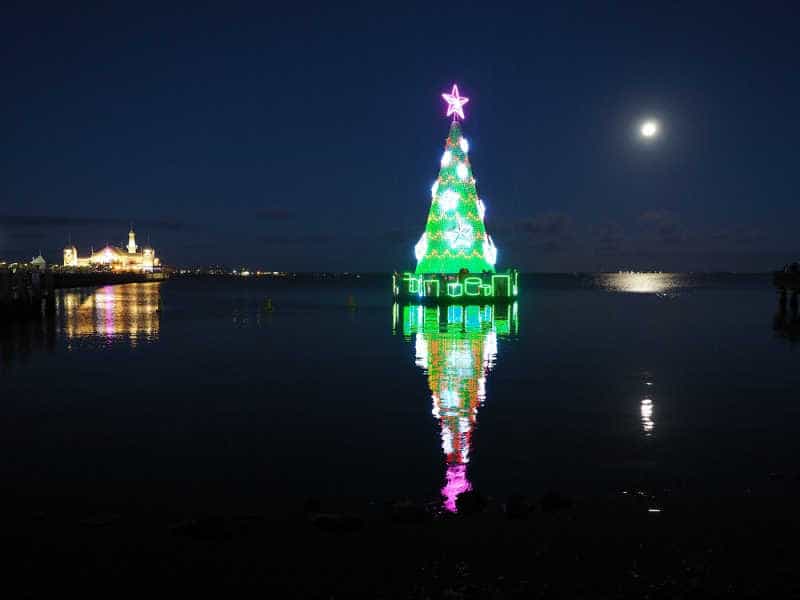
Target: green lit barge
471 288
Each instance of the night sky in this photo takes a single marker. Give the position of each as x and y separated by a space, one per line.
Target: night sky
309 140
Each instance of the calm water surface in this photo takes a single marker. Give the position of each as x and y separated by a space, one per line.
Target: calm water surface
189 391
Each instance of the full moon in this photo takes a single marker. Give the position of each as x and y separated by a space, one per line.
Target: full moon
649 129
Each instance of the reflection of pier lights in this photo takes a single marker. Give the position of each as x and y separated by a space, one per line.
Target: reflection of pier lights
128 311
456 345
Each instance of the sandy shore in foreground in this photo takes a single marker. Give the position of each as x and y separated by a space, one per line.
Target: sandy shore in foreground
616 547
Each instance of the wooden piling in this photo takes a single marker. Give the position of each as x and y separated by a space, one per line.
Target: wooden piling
50 294
5 293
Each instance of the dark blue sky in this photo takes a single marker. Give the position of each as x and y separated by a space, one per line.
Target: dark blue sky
309 140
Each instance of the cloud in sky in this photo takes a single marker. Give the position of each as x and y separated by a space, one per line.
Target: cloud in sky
548 241
274 214
26 235
547 225
304 238
740 235
664 225
50 221
607 236
548 232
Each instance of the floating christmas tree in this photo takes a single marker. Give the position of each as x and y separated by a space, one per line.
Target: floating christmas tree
455 255
455 236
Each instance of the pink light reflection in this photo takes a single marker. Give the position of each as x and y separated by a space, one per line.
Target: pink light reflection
457 483
108 307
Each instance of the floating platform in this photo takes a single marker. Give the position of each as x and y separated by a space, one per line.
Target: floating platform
456 288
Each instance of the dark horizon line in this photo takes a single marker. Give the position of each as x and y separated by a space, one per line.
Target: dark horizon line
382 273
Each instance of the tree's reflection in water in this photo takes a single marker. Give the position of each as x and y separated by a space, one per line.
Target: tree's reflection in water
457 347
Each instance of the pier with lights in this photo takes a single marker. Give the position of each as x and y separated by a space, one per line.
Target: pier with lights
455 255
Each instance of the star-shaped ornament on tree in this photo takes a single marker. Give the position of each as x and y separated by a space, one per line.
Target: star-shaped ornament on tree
461 236
455 103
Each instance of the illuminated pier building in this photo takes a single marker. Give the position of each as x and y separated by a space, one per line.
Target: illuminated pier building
130 258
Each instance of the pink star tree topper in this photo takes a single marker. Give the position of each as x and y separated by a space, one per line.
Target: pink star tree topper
455 103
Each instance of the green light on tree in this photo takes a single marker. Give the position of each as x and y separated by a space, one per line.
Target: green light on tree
455 236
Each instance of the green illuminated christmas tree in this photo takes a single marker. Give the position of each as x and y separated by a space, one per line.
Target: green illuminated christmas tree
455 236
